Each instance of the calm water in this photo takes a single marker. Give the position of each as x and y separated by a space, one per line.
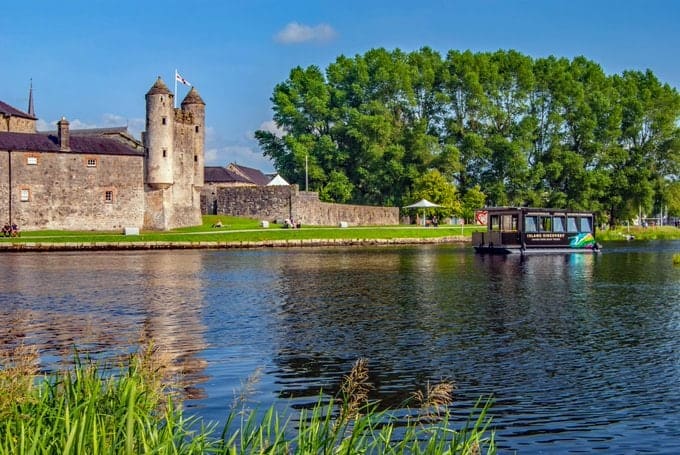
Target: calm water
581 352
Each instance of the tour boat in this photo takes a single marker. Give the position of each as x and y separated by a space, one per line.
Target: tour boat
523 230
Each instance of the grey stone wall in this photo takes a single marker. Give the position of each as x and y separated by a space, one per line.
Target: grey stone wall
262 202
17 124
65 193
314 212
4 187
274 203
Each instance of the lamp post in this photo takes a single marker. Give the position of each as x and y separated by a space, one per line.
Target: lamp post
306 176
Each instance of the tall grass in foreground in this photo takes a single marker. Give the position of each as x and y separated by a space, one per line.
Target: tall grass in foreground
89 410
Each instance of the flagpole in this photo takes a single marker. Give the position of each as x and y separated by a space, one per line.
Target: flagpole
175 88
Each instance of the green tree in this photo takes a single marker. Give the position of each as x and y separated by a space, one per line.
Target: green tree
338 189
374 128
473 200
672 198
434 187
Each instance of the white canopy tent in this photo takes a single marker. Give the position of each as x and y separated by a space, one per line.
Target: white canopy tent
422 204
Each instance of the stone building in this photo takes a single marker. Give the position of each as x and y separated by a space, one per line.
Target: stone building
234 175
104 179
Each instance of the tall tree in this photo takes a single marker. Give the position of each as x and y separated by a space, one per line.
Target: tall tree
376 128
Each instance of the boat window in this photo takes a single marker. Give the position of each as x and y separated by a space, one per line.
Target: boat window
586 224
571 224
509 222
530 223
558 224
546 224
495 223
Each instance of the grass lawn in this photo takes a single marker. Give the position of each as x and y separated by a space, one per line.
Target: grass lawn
236 229
640 233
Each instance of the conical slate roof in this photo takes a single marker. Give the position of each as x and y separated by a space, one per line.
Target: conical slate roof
158 88
193 98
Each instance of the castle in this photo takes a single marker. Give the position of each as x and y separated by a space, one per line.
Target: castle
104 179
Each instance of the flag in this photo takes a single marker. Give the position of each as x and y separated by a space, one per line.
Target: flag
180 79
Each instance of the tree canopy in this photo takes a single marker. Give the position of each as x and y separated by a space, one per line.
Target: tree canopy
502 128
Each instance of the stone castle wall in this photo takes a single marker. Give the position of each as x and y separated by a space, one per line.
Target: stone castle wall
17 124
276 203
313 211
109 190
63 192
262 202
4 187
184 204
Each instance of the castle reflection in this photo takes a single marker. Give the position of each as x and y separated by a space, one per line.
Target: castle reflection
107 305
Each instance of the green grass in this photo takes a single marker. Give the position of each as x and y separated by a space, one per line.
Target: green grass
237 229
640 233
90 410
676 259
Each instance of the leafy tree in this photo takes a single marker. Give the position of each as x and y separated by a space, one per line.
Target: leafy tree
672 198
434 187
381 127
473 200
338 189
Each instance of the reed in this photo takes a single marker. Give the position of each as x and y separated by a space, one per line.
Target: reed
130 410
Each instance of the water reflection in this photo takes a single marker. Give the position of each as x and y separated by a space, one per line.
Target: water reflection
581 352
106 305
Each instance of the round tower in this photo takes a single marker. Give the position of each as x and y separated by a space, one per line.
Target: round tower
194 104
159 135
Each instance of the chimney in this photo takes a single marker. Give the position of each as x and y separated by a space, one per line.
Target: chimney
63 134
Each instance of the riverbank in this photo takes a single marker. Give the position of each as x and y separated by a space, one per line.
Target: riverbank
237 232
234 232
201 244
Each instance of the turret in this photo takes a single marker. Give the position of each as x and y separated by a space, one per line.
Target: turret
194 104
159 135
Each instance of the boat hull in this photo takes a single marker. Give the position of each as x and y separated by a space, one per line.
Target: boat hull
486 249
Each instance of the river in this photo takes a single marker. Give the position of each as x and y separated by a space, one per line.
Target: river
580 352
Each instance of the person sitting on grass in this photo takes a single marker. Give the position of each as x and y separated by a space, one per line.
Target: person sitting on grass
217 224
15 230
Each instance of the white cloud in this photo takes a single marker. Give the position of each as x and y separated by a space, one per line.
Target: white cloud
211 156
272 127
294 33
135 126
240 154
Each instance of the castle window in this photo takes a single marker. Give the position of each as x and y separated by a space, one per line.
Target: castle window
25 195
164 120
32 160
195 158
108 196
165 153
197 128
91 162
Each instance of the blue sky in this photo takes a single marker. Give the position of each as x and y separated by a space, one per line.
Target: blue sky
93 61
